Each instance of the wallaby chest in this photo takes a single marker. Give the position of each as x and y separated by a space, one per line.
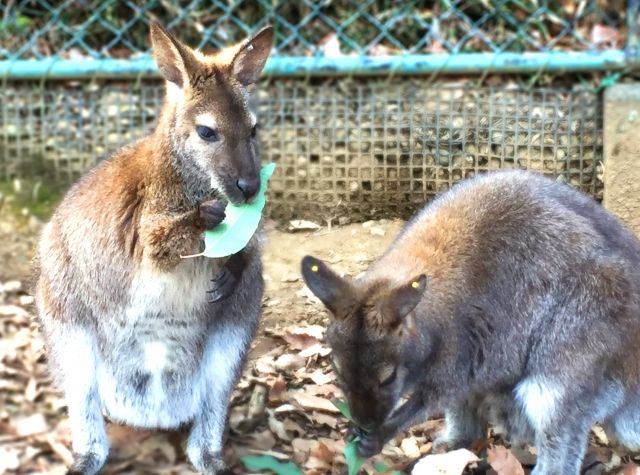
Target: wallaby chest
151 355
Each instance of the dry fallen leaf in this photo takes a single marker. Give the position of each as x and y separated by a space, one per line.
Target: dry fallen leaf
503 461
602 34
329 390
317 349
299 342
326 419
31 391
630 469
320 378
302 445
59 449
303 225
278 391
451 463
278 428
30 425
410 447
289 362
315 403
320 458
9 459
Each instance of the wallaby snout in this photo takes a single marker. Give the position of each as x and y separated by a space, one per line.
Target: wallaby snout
249 186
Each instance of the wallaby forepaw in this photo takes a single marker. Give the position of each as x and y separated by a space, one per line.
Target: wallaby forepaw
211 213
354 431
222 286
370 444
445 443
441 444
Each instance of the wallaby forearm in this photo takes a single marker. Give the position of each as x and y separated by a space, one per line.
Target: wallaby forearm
167 237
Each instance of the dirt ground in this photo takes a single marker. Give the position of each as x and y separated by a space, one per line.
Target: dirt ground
282 406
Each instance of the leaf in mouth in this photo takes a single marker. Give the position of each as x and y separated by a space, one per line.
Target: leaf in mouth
240 223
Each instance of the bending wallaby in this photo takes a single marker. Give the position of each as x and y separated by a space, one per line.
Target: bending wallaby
510 300
131 331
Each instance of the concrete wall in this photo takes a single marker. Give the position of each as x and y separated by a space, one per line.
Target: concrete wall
622 153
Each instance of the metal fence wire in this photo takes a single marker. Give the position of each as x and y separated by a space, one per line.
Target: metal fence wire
348 146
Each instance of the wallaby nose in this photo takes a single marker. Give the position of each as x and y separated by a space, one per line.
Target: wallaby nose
248 186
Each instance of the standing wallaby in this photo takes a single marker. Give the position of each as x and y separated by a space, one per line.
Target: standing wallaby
130 329
510 300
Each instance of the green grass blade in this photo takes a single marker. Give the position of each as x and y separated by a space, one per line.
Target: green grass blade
343 407
354 461
268 462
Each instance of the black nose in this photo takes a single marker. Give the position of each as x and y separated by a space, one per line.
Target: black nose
248 186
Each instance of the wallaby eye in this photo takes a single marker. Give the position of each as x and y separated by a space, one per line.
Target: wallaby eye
388 376
254 131
207 133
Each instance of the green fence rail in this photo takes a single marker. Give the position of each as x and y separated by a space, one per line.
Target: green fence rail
88 38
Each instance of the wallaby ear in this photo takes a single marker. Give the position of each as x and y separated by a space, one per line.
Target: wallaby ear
252 56
333 291
172 57
402 300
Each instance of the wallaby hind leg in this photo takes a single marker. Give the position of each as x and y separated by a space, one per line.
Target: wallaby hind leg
562 419
562 449
463 425
226 348
225 352
74 354
623 427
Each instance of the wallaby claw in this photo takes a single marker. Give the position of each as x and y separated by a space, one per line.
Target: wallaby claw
226 281
212 213
223 285
354 431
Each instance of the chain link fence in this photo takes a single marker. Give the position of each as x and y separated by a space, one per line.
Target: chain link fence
78 82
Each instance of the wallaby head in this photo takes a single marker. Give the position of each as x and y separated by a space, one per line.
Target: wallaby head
372 336
207 117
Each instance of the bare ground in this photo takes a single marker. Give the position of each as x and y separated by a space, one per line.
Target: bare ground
282 404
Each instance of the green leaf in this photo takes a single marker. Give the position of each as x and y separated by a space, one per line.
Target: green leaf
343 407
240 223
23 21
354 461
382 467
268 462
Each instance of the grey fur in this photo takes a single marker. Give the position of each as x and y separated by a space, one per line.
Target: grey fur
538 333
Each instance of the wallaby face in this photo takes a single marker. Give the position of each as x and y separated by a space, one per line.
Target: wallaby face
213 129
370 336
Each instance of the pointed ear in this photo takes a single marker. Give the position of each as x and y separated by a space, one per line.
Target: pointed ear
335 292
402 300
172 57
252 56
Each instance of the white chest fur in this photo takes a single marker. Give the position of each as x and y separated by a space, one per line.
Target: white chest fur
180 290
154 375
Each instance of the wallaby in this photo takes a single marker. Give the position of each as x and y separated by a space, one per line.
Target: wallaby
509 299
131 331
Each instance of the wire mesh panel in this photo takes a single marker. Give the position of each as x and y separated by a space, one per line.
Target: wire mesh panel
117 29
367 150
352 148
346 146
